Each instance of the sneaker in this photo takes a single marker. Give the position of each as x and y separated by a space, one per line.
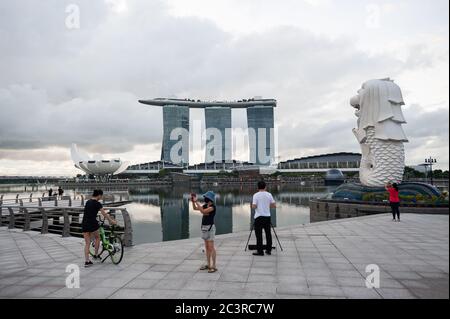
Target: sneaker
96 257
88 264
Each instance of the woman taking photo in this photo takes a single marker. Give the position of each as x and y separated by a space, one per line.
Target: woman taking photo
394 200
208 210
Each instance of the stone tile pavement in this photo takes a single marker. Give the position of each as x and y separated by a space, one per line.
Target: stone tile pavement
321 260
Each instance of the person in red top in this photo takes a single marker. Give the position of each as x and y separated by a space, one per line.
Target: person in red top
394 200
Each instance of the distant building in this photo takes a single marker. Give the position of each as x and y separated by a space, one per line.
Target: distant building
218 118
261 126
260 119
214 167
342 161
150 168
97 166
334 177
175 116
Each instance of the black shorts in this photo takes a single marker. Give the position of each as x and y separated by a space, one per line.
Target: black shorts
89 227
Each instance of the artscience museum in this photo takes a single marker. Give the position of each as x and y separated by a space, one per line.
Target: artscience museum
96 165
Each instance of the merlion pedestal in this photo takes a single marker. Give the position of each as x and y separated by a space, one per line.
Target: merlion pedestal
380 134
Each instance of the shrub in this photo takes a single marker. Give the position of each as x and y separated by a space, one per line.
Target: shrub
368 197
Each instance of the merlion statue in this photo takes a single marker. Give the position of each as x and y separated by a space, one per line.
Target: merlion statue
379 110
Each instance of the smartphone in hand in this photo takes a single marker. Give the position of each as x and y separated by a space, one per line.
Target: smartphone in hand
193 197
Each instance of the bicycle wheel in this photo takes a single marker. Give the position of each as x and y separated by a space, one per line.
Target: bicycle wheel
116 251
92 248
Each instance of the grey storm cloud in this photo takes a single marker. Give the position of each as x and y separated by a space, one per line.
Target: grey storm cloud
60 86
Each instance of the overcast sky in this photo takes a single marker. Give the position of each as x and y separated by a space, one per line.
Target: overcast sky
63 83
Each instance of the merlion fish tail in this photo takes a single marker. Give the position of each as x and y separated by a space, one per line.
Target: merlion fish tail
382 161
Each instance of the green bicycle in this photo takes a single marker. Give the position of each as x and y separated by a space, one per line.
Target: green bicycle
110 243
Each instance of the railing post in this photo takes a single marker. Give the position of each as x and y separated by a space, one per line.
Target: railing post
27 219
44 229
1 214
12 220
66 226
112 213
128 231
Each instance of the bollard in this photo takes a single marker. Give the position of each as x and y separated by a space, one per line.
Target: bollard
27 219
56 201
31 197
20 202
44 229
17 199
82 200
66 226
12 220
70 201
39 202
128 231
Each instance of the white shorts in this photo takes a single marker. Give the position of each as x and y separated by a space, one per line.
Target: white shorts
208 232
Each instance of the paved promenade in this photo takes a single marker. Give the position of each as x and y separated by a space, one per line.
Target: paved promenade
322 260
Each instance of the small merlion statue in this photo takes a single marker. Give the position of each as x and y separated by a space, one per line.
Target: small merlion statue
379 110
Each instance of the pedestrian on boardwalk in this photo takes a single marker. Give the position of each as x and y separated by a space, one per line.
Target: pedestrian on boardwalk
60 192
394 200
262 203
208 210
90 226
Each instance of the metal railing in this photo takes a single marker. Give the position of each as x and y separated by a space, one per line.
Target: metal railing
39 200
76 200
64 220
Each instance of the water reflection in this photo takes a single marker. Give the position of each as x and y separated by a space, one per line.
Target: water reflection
170 209
163 214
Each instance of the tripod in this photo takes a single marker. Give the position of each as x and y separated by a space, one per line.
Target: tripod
273 228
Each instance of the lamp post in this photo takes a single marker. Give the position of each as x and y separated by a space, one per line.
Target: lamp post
429 162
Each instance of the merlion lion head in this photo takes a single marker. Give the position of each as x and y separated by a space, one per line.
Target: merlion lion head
378 104
379 131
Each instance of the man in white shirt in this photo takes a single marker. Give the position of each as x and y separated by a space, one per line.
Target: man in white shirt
262 203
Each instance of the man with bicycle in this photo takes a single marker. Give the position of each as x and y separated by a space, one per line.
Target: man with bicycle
90 226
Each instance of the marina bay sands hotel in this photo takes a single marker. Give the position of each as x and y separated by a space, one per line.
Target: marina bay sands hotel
260 120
